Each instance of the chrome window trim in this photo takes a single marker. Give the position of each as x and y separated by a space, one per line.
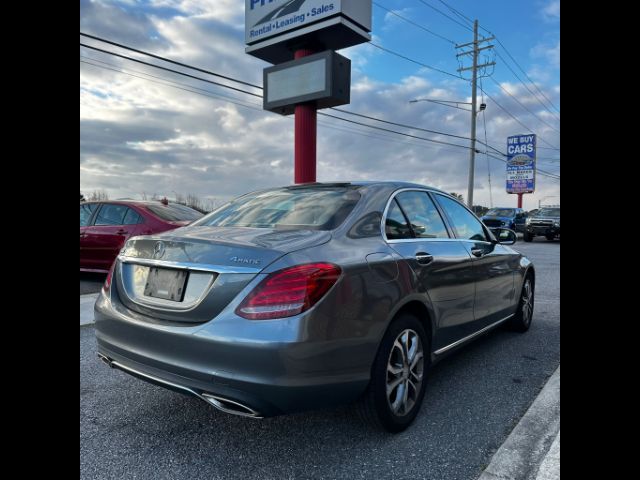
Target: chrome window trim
404 240
196 267
473 335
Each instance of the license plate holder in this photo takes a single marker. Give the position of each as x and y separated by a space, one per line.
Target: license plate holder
166 283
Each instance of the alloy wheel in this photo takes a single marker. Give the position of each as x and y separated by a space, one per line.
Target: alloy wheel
527 302
405 370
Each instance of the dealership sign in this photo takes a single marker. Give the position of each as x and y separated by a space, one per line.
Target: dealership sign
274 28
521 163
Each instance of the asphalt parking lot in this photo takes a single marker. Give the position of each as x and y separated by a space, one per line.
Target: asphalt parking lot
131 429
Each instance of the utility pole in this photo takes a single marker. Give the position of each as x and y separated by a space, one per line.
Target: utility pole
474 94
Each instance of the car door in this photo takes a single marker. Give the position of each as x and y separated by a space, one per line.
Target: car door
114 224
520 220
494 264
87 211
443 267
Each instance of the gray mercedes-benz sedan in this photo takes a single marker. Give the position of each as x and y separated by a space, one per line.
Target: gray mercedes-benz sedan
310 296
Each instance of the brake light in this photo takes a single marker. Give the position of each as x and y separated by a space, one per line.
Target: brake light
289 291
107 283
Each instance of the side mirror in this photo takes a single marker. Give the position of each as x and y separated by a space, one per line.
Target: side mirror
505 236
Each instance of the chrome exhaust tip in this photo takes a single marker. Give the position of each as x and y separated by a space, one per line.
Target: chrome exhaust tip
105 360
230 406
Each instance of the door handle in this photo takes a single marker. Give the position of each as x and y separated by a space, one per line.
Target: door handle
122 231
477 252
424 258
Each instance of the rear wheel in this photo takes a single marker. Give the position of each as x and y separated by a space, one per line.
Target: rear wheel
398 377
521 321
527 236
550 237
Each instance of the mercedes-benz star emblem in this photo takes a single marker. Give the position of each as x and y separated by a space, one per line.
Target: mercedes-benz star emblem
158 250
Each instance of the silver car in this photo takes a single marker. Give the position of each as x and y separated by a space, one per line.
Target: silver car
310 296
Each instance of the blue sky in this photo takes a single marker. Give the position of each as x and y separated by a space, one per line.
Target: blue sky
143 133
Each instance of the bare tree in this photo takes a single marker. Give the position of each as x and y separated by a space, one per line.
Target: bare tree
98 196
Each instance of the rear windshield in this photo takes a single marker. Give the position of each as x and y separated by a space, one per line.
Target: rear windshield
315 208
500 212
548 212
174 213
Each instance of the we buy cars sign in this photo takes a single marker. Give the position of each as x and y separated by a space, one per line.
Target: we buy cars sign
521 163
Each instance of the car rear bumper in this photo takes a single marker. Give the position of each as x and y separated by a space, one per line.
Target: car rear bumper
246 375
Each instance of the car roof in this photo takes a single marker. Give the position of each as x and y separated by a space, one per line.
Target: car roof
136 202
367 183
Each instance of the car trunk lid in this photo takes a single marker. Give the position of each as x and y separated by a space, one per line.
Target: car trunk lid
192 274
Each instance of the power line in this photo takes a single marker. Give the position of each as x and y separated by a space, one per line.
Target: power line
527 87
457 12
414 23
522 105
168 60
168 69
415 61
444 14
512 116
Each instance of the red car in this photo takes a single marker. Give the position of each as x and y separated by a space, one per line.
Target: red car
106 226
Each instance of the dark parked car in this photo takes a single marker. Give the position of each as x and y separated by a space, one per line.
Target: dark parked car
512 218
310 296
106 226
545 222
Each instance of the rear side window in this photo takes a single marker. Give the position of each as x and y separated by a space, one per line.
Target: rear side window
174 213
422 214
466 225
132 217
111 214
86 210
396 226
317 208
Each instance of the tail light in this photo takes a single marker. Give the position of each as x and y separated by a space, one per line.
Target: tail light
289 291
107 283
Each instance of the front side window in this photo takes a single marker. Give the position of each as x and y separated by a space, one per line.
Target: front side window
466 225
111 214
422 214
316 208
86 210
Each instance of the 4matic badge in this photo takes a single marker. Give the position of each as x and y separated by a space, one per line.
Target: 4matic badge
250 261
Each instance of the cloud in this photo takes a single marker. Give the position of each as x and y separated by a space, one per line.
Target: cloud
551 11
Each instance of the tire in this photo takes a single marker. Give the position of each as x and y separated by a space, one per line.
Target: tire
521 321
527 237
396 412
550 237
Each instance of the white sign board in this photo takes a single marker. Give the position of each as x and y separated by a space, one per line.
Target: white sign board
268 18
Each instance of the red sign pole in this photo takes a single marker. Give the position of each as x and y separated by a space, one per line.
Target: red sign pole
520 200
306 120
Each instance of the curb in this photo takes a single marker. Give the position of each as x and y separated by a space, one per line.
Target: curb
86 308
532 450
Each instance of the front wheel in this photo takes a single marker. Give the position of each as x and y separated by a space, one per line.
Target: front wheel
527 237
521 321
550 237
398 376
